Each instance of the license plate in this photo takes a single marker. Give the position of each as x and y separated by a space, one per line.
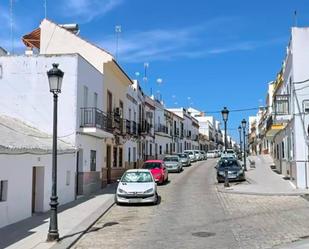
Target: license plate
231 176
134 200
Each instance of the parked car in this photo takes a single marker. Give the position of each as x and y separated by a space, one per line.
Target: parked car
231 152
198 155
185 159
204 155
211 154
191 154
234 169
157 169
137 186
173 163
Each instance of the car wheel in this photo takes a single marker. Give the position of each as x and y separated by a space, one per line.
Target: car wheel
116 202
156 200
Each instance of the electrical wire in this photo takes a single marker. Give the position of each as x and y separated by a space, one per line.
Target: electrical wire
300 82
240 110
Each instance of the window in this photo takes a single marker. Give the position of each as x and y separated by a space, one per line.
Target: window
93 155
109 102
115 157
150 149
282 149
121 108
3 190
282 104
120 157
134 154
85 96
278 151
68 178
95 100
129 155
160 150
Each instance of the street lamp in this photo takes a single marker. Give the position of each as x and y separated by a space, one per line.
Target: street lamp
225 115
55 76
239 130
243 124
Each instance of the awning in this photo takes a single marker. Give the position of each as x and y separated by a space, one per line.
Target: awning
274 129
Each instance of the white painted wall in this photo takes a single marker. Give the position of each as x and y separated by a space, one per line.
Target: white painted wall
17 169
25 92
300 55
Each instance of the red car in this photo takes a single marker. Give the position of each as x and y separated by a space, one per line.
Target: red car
157 169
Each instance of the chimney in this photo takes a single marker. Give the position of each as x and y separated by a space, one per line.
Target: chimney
29 51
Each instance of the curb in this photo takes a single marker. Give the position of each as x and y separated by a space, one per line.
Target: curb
82 228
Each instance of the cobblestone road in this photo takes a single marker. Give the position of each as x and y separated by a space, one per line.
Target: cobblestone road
193 214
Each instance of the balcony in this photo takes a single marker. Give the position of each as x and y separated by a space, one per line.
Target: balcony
161 128
189 134
128 126
144 128
96 122
176 132
134 128
117 121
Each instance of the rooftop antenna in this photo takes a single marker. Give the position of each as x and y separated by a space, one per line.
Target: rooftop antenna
146 66
117 32
45 8
11 26
295 18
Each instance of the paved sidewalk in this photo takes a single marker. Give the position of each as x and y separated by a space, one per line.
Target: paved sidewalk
262 180
74 219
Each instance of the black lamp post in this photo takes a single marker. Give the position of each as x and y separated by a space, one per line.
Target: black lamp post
225 115
240 143
243 124
55 76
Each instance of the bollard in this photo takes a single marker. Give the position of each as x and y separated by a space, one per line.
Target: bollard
226 180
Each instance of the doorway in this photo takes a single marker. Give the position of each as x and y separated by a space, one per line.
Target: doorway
108 163
37 189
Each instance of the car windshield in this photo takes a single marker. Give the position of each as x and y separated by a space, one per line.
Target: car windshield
171 159
136 177
152 165
230 152
182 155
189 152
228 164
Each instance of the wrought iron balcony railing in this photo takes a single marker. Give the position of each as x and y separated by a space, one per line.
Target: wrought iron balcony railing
94 117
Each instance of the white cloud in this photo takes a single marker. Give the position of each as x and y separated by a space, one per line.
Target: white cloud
157 44
168 44
87 10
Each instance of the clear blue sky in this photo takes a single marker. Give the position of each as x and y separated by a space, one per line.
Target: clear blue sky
209 53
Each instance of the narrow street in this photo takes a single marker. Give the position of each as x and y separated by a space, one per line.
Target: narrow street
193 214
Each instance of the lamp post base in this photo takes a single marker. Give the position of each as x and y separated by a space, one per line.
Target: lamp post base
52 236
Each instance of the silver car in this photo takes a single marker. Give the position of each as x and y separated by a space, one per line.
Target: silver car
184 159
173 163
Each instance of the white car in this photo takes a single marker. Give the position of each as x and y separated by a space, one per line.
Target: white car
192 155
211 154
137 186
